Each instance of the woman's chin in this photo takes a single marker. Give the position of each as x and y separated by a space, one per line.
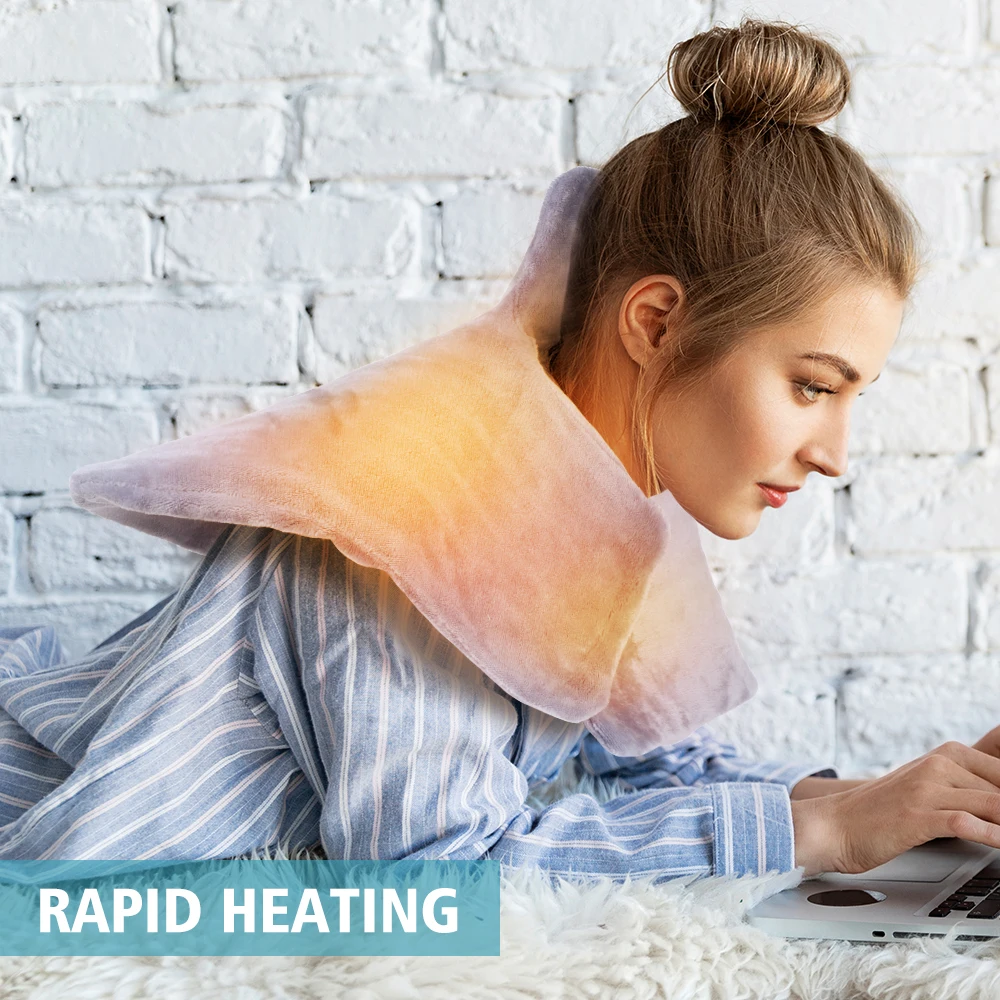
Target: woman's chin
730 526
732 521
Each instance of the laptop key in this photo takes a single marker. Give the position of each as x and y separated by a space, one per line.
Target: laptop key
939 911
962 904
987 909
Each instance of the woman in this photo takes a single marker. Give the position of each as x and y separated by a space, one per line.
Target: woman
739 280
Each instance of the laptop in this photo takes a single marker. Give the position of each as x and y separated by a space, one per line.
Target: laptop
923 892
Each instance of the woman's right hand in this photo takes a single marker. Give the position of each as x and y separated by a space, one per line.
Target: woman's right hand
951 791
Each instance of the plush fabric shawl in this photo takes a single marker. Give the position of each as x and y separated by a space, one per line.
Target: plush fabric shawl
460 468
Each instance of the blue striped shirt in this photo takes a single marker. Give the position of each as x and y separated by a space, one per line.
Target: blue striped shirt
287 697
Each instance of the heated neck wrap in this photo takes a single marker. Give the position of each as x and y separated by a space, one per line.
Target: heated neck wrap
459 467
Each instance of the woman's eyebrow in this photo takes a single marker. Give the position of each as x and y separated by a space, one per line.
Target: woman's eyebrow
834 361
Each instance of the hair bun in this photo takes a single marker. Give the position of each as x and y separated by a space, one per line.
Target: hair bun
760 71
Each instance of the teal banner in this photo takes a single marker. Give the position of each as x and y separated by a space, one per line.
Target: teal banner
250 907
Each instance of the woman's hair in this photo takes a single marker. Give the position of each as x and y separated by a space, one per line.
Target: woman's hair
757 212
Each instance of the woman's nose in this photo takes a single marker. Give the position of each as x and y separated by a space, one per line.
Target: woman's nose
826 453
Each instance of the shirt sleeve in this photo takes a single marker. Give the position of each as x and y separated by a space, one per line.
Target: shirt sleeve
714 829
695 807
699 759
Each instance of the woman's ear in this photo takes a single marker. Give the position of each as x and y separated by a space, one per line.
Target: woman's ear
645 314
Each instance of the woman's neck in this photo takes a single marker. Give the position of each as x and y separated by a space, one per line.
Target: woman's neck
608 409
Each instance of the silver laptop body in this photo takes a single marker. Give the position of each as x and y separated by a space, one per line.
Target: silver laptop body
922 893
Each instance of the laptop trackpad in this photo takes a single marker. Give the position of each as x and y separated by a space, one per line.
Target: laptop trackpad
930 862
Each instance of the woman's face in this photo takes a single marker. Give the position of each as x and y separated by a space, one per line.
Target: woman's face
777 408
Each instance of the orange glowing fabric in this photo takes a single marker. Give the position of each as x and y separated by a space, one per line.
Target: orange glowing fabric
460 468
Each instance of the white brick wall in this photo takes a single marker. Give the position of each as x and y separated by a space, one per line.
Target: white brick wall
59 241
486 230
169 343
292 39
11 338
554 36
352 330
315 237
61 42
120 141
437 130
211 204
43 441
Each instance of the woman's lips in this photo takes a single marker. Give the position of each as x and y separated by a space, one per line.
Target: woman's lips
776 495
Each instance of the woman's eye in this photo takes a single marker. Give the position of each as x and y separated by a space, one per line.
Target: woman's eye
812 392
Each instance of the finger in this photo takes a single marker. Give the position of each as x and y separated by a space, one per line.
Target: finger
990 743
953 774
968 826
974 761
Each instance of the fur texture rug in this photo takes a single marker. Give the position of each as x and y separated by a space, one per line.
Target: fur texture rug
559 939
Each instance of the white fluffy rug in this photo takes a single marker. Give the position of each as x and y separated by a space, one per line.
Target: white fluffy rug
597 939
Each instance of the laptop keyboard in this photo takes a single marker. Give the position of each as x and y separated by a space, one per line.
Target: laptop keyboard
979 898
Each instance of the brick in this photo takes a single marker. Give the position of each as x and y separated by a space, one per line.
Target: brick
797 673
797 726
11 339
439 133
855 607
987 614
100 41
606 121
934 110
53 241
42 443
927 504
169 343
486 232
321 236
278 39
956 299
353 331
800 534
80 625
121 142
897 709
71 549
992 383
6 147
991 210
920 405
553 35
6 549
993 22
196 413
942 196
927 29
